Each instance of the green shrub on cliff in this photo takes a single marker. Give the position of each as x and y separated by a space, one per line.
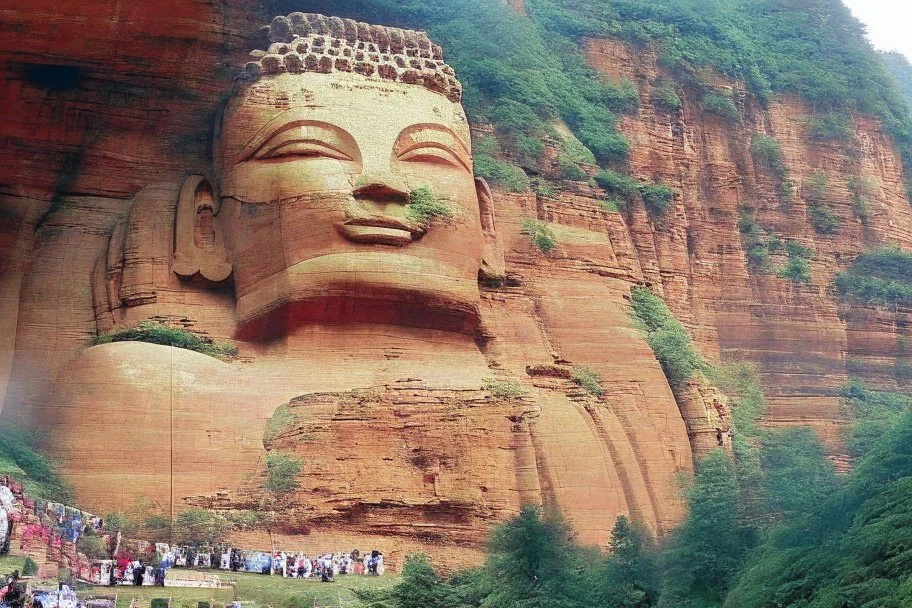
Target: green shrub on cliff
669 340
21 459
496 171
657 198
540 234
425 208
665 95
282 472
588 380
720 104
832 126
158 333
199 527
881 277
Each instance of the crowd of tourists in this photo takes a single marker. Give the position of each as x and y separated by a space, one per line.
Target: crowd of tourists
154 570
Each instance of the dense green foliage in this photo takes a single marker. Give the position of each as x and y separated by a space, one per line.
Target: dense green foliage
282 472
199 527
157 333
669 340
854 548
882 276
21 459
875 412
901 70
496 171
831 126
720 104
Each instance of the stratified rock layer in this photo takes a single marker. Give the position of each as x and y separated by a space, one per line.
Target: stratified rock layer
806 343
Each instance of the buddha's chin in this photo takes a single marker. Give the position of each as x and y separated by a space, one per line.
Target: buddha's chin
360 287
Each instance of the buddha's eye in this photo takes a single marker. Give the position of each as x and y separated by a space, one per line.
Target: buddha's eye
300 149
429 154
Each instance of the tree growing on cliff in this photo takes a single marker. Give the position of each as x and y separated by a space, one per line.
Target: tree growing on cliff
705 554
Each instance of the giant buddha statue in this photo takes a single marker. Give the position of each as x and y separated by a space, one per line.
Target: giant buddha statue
339 239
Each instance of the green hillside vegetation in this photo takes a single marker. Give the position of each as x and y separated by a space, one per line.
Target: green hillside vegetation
901 70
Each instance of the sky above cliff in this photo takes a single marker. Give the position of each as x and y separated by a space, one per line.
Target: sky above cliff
887 21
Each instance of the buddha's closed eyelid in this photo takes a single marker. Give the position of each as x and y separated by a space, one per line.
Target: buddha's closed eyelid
305 148
432 153
293 141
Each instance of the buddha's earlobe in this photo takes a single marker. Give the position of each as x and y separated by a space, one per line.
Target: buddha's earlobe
199 249
493 266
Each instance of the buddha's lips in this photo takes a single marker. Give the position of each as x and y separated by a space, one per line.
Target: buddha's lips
381 230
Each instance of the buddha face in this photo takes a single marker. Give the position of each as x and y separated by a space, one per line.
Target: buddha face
315 175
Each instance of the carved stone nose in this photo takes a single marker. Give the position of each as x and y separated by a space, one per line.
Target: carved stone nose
385 189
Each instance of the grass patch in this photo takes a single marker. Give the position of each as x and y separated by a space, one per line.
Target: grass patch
425 208
882 277
158 333
282 472
540 234
281 419
504 389
587 379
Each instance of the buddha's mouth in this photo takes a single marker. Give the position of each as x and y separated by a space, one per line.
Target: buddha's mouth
380 230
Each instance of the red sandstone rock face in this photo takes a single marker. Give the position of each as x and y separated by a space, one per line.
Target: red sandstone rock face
805 343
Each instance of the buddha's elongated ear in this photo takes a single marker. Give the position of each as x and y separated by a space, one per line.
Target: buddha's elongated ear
199 249
493 266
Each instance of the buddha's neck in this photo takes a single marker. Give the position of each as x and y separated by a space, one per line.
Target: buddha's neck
346 356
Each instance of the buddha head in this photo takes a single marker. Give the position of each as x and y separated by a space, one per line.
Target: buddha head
343 188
